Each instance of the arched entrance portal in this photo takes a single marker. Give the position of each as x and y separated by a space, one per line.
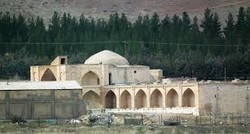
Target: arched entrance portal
140 99
188 98
48 76
156 99
110 100
90 78
125 100
92 100
172 98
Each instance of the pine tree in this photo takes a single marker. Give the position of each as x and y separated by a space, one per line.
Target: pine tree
211 30
240 29
207 24
230 33
195 34
247 29
165 33
175 29
53 33
185 29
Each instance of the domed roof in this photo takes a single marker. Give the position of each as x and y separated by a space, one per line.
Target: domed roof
107 57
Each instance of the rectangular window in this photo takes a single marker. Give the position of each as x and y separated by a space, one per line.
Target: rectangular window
110 79
63 61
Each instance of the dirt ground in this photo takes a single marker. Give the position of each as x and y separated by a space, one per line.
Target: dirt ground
46 128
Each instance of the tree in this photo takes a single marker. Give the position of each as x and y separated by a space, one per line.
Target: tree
206 25
175 29
230 33
165 33
241 29
211 30
155 23
195 34
185 29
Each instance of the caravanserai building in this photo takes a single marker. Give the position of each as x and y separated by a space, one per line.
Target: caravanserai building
106 81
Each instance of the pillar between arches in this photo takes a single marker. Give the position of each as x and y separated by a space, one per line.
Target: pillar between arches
148 97
118 98
180 97
164 97
133 98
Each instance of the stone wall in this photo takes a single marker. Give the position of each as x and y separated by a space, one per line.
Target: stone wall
224 97
41 104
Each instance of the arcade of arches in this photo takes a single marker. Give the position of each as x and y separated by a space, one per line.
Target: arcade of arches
157 98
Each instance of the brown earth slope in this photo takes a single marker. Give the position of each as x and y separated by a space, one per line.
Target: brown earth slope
132 8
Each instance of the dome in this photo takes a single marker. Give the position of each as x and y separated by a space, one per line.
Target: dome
107 57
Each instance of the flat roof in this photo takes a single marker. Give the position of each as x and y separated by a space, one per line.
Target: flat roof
38 85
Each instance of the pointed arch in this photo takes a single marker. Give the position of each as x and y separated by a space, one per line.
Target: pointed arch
48 76
125 101
140 99
90 78
156 99
110 100
93 100
188 98
172 98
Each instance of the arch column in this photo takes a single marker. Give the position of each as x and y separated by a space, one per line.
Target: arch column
118 98
180 97
133 98
164 98
148 97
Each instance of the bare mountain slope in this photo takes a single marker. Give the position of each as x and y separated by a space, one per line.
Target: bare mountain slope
132 8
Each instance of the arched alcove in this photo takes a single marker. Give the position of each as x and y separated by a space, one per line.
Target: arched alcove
172 98
90 78
93 100
140 99
125 101
188 98
156 99
48 76
110 100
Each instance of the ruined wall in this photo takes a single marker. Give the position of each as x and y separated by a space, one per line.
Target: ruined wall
42 104
156 75
224 97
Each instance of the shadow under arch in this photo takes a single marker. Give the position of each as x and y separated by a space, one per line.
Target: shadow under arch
90 78
125 100
172 98
92 100
140 99
48 76
188 98
110 100
156 99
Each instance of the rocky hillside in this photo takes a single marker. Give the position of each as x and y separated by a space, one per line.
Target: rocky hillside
132 8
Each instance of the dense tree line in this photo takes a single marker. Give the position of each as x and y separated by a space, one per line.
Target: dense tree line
180 45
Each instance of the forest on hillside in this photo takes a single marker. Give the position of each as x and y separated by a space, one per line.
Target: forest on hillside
209 48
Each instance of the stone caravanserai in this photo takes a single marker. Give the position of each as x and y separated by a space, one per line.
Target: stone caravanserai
109 82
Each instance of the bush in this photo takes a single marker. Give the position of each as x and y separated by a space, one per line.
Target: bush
17 119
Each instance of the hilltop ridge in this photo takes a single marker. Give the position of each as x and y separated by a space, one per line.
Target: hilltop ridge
132 8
